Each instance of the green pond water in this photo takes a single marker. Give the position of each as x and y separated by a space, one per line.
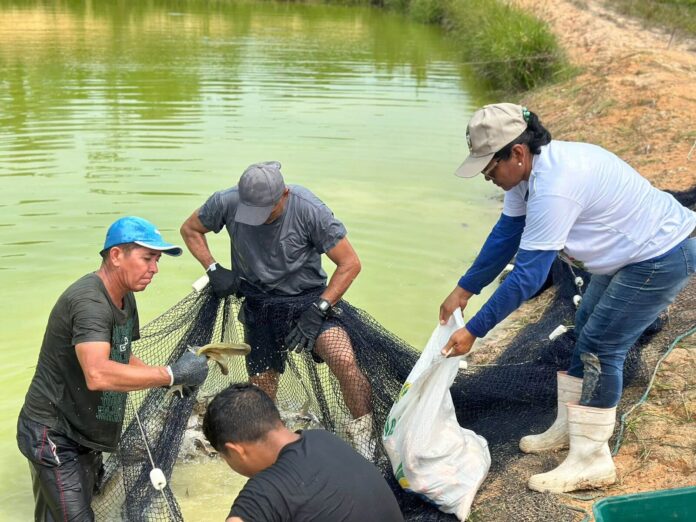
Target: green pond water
145 108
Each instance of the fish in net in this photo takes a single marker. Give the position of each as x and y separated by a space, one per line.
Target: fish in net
502 395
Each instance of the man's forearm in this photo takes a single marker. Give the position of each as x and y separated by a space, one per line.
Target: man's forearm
136 361
347 269
114 376
340 281
197 245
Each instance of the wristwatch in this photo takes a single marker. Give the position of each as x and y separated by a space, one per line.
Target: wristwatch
323 305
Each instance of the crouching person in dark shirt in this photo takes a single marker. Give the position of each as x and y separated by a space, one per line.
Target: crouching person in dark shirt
309 475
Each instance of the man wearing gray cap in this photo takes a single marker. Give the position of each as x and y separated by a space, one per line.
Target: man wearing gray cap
76 402
586 205
278 234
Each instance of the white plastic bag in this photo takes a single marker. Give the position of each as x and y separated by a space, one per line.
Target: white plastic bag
431 455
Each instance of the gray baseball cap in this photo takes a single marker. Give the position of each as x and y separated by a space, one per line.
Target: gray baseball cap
489 130
260 188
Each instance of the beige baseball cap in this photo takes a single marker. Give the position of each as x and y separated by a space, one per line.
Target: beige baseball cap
489 130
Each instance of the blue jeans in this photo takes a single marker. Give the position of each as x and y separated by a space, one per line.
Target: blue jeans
615 311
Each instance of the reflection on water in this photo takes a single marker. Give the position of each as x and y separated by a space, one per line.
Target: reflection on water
113 108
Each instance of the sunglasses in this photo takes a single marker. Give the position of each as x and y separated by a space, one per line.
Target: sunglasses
487 171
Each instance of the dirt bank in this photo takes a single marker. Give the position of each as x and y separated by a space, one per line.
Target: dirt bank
635 95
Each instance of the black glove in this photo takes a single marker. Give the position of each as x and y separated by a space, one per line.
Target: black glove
190 369
306 330
223 282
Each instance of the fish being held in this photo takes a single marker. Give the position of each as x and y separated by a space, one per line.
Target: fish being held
218 352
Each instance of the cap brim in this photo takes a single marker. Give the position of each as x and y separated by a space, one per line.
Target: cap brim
164 247
253 216
473 166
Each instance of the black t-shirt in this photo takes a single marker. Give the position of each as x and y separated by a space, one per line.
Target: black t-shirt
58 396
317 478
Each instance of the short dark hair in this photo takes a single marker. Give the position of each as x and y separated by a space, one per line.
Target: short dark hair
241 413
534 136
126 247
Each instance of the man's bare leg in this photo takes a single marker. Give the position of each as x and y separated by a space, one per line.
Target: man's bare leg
267 381
335 348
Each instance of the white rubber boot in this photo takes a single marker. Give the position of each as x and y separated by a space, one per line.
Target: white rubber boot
360 434
589 463
556 437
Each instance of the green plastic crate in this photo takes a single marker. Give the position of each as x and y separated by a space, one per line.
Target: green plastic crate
653 506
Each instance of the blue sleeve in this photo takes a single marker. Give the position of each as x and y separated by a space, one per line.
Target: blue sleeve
531 270
497 251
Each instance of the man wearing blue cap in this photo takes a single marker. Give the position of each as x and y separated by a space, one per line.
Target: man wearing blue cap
278 236
75 405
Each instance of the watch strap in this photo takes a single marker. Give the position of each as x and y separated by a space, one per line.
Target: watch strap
323 305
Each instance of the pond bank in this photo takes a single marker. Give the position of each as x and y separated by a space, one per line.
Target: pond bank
506 48
634 95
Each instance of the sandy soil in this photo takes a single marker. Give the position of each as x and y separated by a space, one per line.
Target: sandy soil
635 95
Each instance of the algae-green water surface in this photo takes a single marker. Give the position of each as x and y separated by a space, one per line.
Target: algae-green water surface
145 108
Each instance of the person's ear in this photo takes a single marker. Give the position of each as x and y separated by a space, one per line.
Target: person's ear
238 449
115 255
518 152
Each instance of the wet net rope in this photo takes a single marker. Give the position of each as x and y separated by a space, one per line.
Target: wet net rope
503 395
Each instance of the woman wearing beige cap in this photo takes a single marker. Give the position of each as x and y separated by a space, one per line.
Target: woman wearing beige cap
585 204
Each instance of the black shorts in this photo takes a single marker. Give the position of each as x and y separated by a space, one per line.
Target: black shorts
267 321
64 474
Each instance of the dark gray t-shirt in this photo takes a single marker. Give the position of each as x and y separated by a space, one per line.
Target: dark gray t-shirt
283 257
318 478
58 396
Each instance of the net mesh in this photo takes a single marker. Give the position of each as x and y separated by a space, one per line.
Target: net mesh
507 392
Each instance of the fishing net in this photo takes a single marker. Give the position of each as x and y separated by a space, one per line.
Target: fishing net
508 391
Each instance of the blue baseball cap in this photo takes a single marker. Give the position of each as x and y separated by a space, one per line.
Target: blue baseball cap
132 229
